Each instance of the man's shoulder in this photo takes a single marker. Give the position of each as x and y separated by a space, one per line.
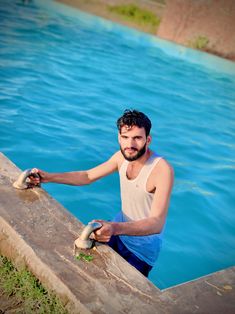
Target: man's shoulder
163 167
117 158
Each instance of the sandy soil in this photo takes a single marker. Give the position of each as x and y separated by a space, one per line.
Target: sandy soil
185 20
10 304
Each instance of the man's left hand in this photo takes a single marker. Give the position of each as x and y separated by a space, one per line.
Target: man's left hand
105 232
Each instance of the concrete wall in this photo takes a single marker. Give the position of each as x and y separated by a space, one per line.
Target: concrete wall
185 20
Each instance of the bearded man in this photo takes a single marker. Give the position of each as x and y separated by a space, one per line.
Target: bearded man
146 181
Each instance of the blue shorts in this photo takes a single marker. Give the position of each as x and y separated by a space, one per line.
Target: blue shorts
117 245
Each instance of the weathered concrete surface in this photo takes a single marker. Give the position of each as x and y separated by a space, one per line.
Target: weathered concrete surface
185 20
211 294
37 231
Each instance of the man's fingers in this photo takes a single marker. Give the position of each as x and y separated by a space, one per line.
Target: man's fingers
34 171
98 233
102 238
34 177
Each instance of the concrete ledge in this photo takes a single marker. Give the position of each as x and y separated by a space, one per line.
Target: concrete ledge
37 231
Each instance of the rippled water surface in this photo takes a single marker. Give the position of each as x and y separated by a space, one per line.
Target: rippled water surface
67 76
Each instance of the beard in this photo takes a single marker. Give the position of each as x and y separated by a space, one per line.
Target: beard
139 153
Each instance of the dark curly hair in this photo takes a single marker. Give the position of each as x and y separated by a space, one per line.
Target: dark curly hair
134 117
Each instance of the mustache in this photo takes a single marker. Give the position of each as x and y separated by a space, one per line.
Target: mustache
133 148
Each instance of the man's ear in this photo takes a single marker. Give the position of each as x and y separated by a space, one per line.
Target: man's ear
119 137
149 139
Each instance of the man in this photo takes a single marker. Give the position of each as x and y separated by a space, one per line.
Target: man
146 182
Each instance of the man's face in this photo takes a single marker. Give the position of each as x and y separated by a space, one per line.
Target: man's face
133 142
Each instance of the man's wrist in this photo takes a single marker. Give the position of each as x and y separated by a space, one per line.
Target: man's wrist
49 177
116 228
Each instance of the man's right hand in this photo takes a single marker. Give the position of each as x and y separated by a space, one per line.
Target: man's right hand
41 177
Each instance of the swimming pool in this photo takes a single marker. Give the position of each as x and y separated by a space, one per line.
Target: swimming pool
66 77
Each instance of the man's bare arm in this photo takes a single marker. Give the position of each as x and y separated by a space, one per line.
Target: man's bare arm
79 177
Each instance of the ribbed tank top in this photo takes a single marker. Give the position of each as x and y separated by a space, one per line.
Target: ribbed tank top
136 200
136 205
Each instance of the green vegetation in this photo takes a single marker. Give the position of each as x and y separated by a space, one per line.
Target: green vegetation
30 294
84 257
200 42
137 15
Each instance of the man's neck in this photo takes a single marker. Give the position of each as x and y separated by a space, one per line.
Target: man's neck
142 160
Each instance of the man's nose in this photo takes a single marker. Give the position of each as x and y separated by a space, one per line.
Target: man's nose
130 142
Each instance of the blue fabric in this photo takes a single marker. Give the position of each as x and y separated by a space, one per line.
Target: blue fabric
146 248
118 246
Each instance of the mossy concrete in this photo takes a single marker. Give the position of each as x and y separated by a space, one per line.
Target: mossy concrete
36 231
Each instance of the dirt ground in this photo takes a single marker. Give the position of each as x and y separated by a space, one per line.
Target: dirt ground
10 305
184 21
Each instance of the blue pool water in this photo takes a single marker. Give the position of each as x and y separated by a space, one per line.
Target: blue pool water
66 77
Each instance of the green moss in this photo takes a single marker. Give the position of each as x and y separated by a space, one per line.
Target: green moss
200 42
32 296
136 14
84 257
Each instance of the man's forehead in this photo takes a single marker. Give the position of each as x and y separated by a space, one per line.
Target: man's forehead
126 128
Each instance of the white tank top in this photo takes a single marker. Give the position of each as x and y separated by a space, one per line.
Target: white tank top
136 200
136 204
